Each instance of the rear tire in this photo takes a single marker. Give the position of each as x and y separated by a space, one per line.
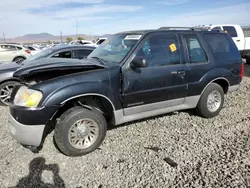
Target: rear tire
211 101
80 131
19 59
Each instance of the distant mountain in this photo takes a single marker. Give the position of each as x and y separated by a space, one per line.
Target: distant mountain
45 37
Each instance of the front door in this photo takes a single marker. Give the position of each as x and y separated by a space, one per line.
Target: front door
162 83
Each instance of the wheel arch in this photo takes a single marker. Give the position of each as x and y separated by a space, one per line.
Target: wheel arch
91 101
223 82
18 57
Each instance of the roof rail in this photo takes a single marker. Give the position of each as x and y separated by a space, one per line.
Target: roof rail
195 28
175 28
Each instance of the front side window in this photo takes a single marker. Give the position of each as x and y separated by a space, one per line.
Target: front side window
115 48
8 47
230 30
65 54
195 50
160 50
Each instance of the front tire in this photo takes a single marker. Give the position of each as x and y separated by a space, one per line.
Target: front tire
80 131
211 101
5 92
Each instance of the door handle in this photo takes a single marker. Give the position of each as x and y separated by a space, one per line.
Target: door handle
182 73
238 40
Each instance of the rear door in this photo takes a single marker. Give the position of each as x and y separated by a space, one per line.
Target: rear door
197 61
161 84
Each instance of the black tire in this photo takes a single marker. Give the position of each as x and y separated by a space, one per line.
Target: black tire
202 107
3 87
19 59
67 120
248 60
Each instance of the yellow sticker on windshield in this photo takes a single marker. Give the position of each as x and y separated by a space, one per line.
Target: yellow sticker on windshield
172 47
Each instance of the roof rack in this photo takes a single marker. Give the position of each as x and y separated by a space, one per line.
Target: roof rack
196 28
175 28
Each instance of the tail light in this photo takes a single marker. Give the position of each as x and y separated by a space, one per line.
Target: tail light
27 51
242 71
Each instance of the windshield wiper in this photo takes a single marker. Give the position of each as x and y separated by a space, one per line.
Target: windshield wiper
102 61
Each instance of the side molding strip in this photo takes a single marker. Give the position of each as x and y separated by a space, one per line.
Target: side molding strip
120 118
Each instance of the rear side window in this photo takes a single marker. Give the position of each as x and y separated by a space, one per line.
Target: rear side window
230 30
195 50
79 54
223 47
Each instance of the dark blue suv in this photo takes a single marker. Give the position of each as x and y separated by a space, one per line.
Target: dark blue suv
132 75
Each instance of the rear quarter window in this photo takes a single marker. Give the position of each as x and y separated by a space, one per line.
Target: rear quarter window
223 47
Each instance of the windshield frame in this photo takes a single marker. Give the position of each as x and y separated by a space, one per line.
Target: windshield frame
128 53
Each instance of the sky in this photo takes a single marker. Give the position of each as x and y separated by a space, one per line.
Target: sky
97 17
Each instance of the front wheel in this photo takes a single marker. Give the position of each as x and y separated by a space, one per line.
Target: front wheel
80 131
211 101
5 92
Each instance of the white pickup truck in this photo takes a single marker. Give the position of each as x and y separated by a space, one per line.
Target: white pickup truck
240 35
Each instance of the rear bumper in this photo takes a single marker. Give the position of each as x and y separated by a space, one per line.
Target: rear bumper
233 88
25 134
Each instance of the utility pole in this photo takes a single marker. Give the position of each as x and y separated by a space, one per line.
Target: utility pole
4 37
76 27
61 37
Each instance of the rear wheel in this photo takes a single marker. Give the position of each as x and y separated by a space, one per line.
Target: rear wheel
5 92
19 59
211 101
80 131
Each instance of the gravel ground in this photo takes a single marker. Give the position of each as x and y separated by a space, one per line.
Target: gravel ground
176 150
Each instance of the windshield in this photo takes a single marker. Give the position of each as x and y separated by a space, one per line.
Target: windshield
115 48
39 55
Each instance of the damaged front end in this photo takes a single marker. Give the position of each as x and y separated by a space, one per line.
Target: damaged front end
48 68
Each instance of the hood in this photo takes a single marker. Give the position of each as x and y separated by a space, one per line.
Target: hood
54 67
4 67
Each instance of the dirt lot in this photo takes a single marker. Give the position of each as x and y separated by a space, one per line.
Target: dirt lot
176 150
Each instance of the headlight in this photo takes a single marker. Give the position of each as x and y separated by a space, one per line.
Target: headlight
27 97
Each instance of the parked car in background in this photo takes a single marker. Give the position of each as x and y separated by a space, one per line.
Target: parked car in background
135 75
13 52
98 42
7 81
240 36
33 49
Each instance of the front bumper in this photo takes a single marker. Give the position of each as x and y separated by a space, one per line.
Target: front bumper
25 134
26 125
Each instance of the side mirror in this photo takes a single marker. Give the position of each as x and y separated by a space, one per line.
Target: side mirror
138 62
